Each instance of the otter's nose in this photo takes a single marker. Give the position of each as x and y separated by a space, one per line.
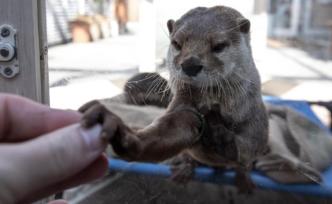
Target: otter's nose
191 66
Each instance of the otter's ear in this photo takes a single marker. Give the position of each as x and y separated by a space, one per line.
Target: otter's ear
170 25
244 25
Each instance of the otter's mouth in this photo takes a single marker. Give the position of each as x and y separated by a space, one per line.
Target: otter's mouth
187 79
190 80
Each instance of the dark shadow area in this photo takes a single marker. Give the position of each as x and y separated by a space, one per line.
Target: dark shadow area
152 190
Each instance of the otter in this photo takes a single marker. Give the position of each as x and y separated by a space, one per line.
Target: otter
216 116
147 89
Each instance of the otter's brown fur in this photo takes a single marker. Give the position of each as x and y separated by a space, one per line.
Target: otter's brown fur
226 90
212 76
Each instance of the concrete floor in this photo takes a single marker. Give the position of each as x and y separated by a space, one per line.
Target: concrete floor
79 72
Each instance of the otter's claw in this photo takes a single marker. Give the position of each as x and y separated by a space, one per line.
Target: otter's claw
122 138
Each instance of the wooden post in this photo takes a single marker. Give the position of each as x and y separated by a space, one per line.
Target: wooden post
28 18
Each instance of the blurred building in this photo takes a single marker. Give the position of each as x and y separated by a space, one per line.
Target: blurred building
60 12
306 24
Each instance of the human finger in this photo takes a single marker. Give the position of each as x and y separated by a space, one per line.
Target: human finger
95 170
48 160
22 118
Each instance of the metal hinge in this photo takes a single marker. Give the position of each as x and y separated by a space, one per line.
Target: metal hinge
9 66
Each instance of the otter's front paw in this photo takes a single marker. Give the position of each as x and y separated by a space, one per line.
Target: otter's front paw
121 137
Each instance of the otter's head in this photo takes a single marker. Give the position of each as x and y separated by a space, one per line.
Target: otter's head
207 45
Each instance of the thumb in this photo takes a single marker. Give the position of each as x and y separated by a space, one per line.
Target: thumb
49 159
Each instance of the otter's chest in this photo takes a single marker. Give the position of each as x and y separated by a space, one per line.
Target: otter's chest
224 104
217 145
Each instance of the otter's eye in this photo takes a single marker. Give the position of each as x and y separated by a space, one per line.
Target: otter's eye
176 45
219 47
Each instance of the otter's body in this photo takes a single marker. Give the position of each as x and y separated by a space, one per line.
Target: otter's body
216 114
213 72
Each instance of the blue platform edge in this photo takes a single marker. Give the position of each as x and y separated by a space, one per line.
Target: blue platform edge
206 174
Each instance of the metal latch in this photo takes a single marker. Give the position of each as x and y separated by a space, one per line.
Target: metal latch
9 66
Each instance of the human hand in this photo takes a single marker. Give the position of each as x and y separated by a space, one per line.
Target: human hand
36 162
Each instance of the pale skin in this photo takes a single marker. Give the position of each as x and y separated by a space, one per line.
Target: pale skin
44 150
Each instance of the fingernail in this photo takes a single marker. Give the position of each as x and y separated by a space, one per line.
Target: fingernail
92 137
